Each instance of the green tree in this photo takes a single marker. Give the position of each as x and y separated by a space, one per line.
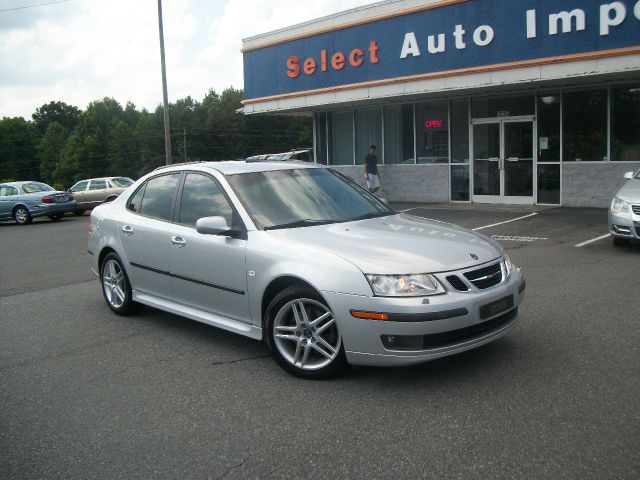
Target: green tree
60 112
18 150
51 147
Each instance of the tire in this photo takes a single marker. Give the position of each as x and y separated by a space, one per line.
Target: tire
56 218
116 287
78 212
298 345
21 215
621 242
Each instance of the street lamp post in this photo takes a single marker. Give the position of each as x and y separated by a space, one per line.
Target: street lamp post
165 96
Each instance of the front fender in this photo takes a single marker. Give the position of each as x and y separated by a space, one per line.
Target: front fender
270 258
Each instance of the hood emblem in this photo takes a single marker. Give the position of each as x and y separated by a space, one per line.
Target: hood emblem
474 256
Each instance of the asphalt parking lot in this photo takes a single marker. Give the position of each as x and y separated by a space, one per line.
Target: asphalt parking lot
86 394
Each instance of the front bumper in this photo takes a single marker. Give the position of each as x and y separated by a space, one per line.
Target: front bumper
625 224
389 343
42 209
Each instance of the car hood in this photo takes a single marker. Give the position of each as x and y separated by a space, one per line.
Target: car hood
398 244
630 191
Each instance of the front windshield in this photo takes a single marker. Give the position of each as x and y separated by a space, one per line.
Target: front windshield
302 197
35 187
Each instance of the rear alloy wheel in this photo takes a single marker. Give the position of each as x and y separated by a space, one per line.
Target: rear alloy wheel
303 334
116 287
22 216
56 217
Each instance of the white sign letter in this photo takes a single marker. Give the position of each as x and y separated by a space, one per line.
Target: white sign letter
567 21
531 24
459 34
483 31
431 43
410 46
606 21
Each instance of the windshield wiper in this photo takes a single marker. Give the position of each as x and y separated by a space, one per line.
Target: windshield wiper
307 222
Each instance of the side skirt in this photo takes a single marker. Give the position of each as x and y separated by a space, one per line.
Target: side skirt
212 319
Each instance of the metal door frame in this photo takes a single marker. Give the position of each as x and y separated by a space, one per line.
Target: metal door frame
502 198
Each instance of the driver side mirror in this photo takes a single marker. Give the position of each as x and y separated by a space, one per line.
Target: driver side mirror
628 175
212 226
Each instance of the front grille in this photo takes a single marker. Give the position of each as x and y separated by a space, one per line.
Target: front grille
636 209
457 283
445 339
485 277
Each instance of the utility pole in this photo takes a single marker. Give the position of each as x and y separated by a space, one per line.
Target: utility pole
165 96
184 143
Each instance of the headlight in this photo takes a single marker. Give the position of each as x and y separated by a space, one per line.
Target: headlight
508 265
618 205
405 285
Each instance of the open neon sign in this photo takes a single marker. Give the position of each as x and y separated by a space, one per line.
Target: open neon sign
434 124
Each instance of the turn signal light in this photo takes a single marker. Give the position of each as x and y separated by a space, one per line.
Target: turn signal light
369 315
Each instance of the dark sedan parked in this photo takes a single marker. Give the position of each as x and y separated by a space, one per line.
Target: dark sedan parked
23 201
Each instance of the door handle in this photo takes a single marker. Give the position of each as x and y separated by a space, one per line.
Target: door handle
178 241
127 230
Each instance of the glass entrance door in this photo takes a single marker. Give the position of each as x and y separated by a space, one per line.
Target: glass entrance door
503 161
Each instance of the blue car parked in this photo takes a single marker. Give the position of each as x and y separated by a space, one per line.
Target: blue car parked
23 201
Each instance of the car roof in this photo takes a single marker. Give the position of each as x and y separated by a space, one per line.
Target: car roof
234 167
23 182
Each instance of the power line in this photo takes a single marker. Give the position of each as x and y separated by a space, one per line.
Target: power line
33 6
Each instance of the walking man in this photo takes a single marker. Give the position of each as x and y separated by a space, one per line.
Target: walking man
371 174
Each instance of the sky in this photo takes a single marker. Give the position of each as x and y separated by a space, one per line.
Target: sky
78 51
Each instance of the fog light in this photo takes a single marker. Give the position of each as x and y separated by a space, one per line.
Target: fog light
402 342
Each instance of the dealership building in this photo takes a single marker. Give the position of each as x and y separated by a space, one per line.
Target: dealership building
487 101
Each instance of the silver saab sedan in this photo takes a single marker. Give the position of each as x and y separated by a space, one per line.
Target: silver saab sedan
303 258
624 212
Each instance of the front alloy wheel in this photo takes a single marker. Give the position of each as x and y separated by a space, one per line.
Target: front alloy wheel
304 335
22 216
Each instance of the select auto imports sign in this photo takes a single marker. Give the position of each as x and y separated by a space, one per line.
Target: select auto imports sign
461 36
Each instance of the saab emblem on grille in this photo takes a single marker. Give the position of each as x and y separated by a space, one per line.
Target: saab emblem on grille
474 256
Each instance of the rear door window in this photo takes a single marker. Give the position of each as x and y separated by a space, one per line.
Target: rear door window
155 198
8 191
98 184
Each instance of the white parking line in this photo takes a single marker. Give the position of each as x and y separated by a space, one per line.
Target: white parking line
506 221
592 240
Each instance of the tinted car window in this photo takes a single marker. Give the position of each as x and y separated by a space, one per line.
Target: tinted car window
203 197
135 202
158 196
80 186
8 191
122 182
35 187
98 185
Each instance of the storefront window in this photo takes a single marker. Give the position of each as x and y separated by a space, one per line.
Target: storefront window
321 138
460 183
503 106
584 115
341 138
368 132
398 134
432 132
625 124
549 127
549 183
460 131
